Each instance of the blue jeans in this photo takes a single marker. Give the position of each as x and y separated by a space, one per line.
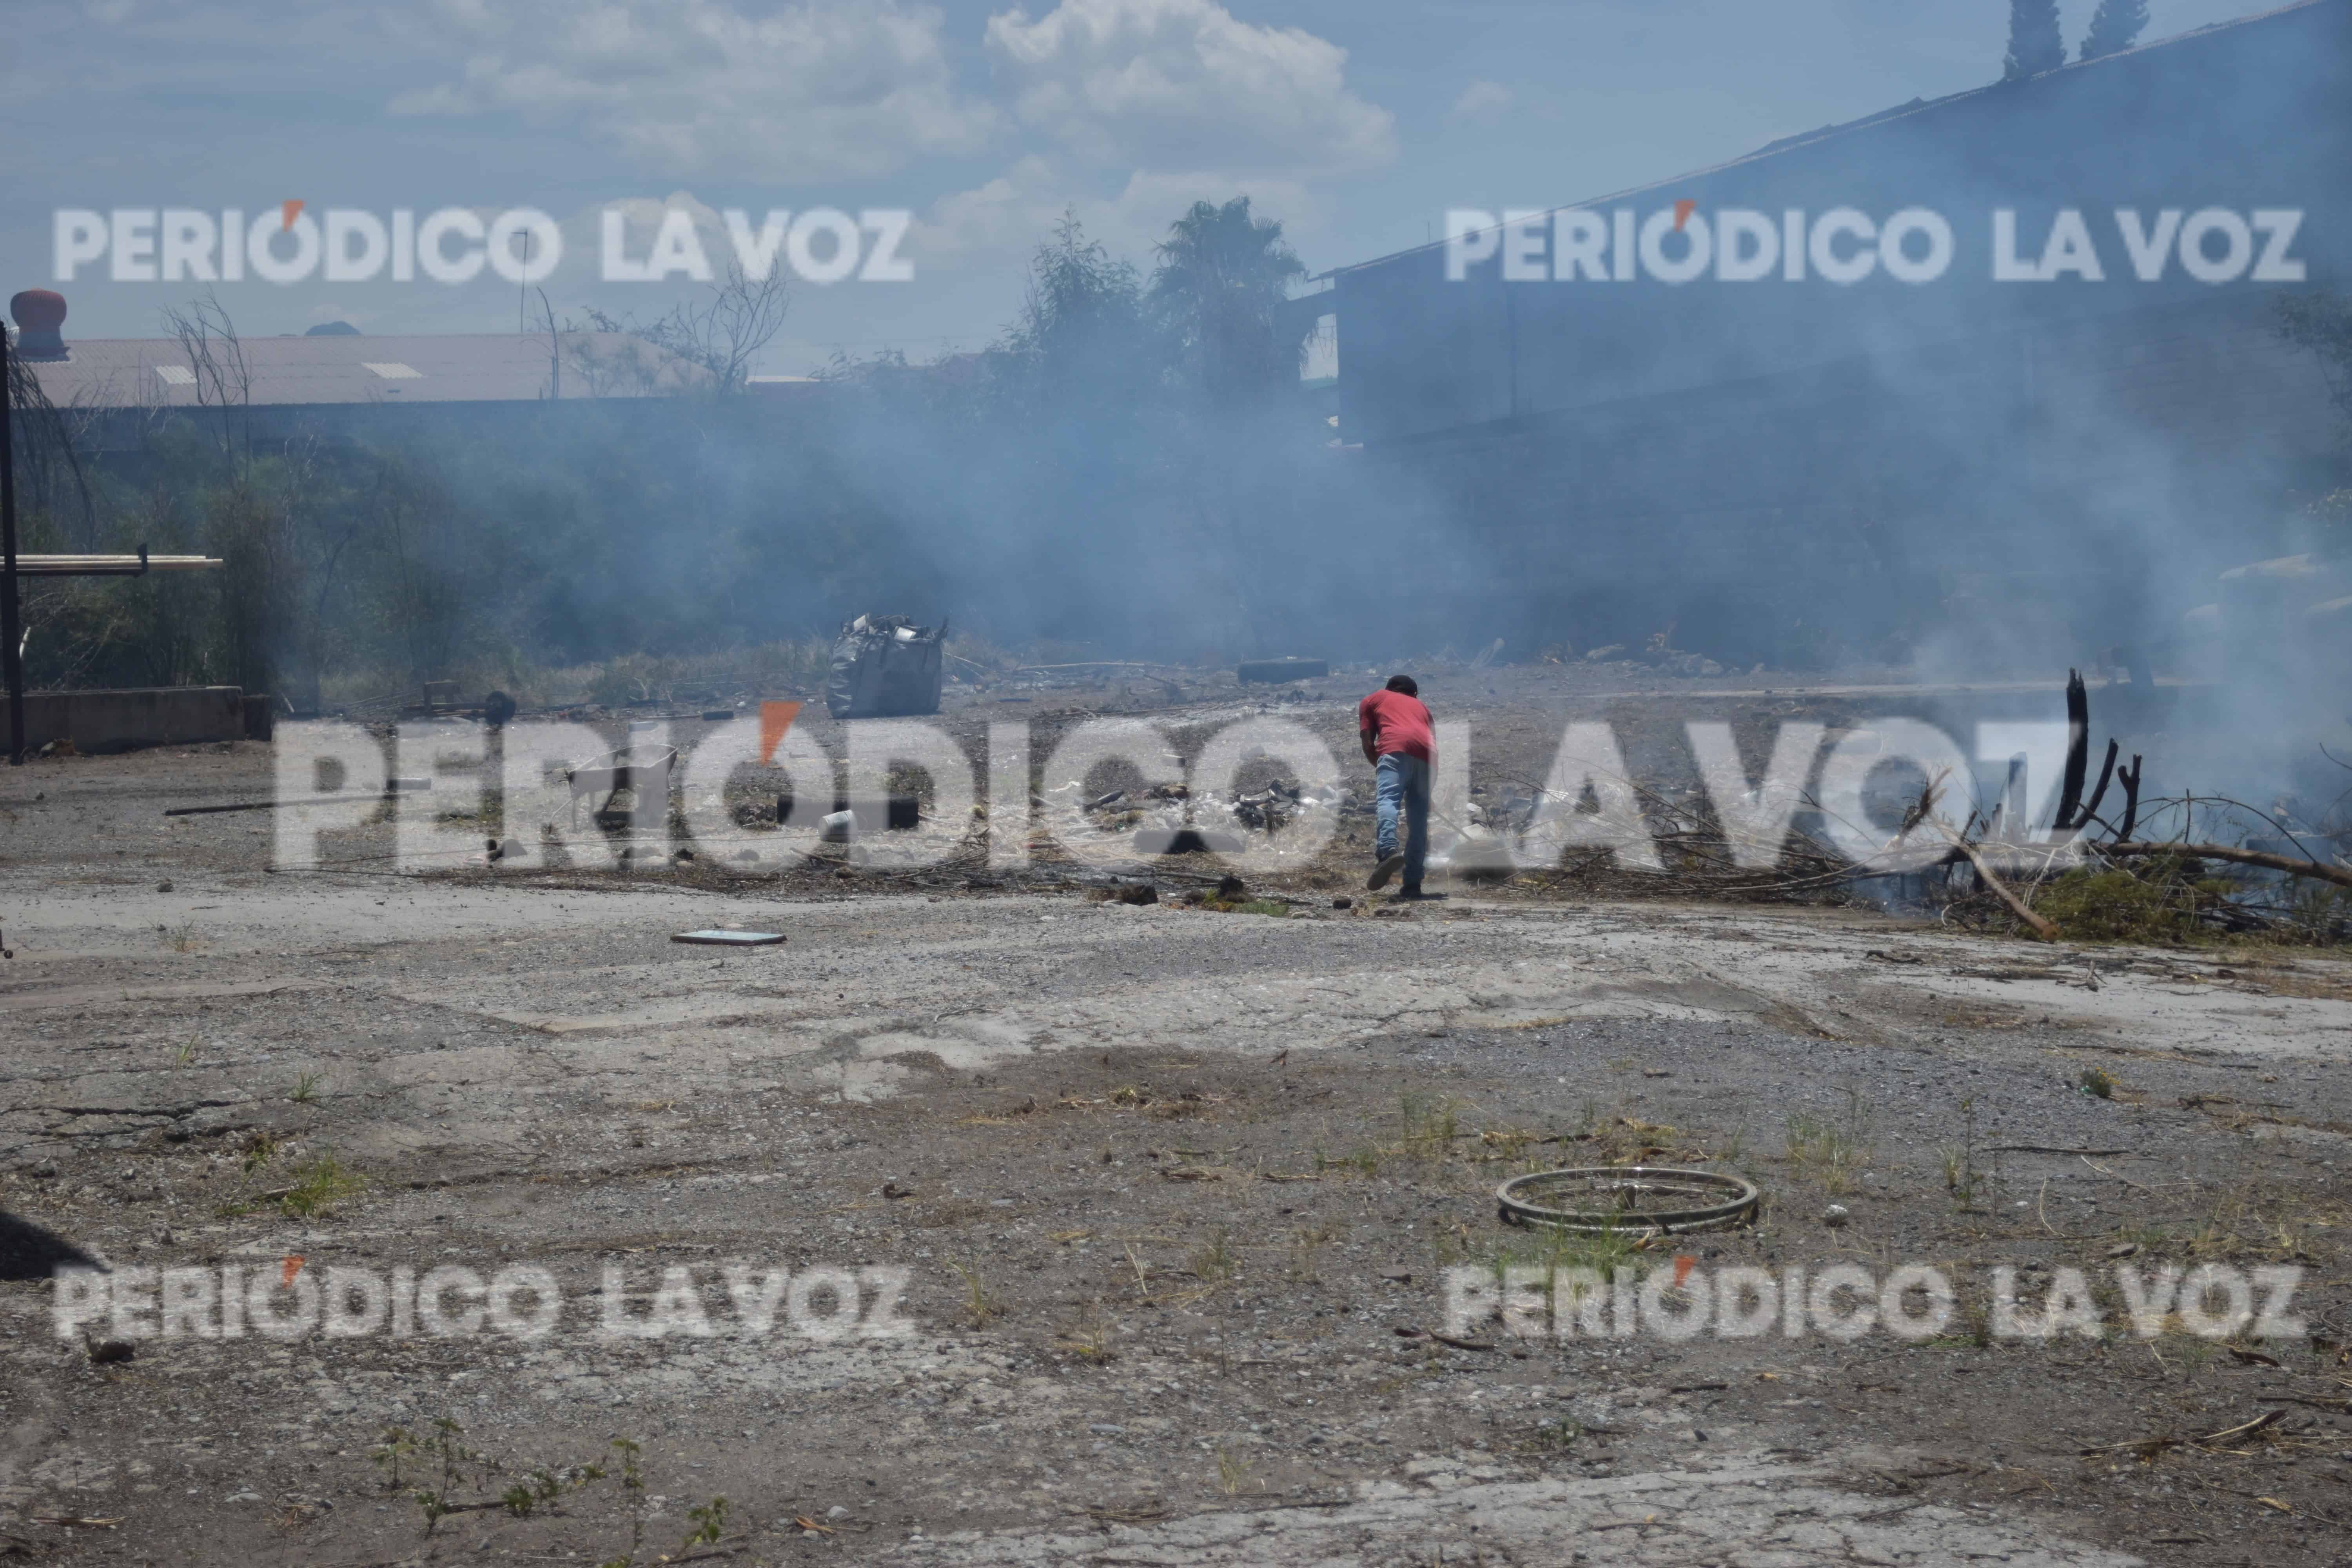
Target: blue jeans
1403 781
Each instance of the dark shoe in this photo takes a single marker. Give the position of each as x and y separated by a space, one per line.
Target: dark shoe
1411 894
1389 867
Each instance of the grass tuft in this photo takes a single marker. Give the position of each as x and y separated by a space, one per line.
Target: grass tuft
1829 1151
1214 1261
977 1304
320 1185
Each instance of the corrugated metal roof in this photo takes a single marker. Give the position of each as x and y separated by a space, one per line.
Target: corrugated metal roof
133 373
1916 106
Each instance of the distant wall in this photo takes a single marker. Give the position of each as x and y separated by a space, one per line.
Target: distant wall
128 429
101 721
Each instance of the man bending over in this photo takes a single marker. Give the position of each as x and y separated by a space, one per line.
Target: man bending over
1401 745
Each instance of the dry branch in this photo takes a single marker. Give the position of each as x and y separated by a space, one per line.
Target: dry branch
2338 875
2041 927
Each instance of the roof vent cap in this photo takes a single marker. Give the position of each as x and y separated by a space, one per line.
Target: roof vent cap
39 314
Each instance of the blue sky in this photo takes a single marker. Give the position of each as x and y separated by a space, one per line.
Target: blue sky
1358 123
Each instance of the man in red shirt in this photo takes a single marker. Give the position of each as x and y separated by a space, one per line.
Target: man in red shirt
1401 745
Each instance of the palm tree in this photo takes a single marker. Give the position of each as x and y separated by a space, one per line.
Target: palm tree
1217 299
1223 276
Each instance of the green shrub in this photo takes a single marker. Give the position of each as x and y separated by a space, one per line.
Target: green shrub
2156 900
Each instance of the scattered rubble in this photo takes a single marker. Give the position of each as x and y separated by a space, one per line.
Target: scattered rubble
643 770
885 666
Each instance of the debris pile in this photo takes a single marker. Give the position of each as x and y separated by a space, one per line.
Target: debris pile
885 666
1172 819
644 771
1657 652
1270 809
2122 887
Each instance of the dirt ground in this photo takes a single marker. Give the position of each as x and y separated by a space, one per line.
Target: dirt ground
1156 1201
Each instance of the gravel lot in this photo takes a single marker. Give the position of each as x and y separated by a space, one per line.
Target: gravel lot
1147 1211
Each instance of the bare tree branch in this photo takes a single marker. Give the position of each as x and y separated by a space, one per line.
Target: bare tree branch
217 358
2315 870
721 334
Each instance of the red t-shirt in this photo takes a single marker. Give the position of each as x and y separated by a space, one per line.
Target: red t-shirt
1397 723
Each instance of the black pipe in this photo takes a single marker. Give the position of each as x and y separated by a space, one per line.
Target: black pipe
12 636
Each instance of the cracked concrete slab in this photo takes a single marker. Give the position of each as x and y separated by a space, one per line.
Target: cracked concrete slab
1755 1515
1153 1174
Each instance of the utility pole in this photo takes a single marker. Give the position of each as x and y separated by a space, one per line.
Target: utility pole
12 634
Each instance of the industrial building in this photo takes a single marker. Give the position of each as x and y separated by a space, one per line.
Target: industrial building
1653 410
330 382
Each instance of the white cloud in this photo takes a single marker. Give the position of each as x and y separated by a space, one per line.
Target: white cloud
783 91
1006 217
1009 212
1126 110
1483 99
1183 84
812 91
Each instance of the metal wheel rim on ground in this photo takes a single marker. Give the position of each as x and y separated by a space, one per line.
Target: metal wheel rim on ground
1516 1200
